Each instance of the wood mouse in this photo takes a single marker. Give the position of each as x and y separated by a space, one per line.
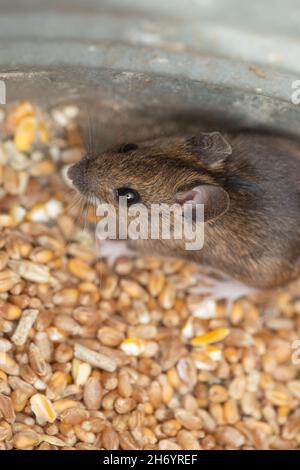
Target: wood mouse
248 182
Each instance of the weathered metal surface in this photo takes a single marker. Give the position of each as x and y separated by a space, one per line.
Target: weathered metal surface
148 67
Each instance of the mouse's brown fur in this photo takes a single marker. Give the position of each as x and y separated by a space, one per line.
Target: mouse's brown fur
257 240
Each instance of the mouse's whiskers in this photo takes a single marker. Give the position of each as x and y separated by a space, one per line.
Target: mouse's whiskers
73 200
87 210
83 212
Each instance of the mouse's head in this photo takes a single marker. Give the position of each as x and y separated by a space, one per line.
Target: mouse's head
167 170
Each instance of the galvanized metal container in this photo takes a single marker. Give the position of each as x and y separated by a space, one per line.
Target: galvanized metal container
144 68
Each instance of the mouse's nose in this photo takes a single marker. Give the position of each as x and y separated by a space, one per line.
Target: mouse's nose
82 176
72 172
76 172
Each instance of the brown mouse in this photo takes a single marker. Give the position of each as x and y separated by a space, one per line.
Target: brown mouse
248 182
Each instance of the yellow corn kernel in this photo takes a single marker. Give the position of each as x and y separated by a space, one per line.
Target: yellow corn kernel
25 133
211 337
132 346
43 408
21 111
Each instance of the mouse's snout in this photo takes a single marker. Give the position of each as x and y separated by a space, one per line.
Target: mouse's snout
72 172
82 176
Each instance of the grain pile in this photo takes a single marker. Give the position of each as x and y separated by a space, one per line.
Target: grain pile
93 357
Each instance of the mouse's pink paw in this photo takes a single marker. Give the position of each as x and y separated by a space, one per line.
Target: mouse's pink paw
111 250
221 288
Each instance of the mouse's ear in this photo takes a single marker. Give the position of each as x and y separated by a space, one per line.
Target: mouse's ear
215 199
211 147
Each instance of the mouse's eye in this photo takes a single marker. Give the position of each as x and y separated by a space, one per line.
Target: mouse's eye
128 148
132 196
